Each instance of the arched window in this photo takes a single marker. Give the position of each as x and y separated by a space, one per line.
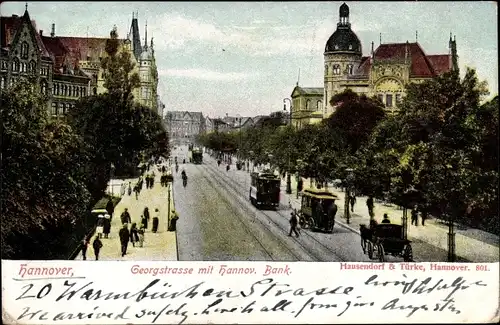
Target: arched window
308 104
83 91
54 109
24 50
43 88
326 69
350 68
32 67
319 105
57 90
23 66
336 69
77 91
2 81
15 65
61 108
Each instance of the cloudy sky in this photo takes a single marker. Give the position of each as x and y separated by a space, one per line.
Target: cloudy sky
244 57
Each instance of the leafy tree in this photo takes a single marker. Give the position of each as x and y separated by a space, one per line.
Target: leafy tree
118 70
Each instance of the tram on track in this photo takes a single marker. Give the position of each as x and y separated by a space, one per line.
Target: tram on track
265 190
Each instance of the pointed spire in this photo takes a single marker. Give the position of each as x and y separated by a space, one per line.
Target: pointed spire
146 36
416 36
26 7
380 38
152 42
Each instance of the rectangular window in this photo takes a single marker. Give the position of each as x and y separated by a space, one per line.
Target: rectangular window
388 100
381 97
54 109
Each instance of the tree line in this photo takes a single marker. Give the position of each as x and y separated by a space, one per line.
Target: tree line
439 152
55 169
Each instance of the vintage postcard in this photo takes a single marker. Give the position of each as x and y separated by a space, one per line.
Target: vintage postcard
249 162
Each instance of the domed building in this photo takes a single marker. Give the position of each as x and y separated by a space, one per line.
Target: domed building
385 73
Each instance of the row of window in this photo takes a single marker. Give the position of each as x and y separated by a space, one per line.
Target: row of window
18 66
319 105
337 71
67 90
61 108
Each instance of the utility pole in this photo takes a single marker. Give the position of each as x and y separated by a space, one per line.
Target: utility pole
288 176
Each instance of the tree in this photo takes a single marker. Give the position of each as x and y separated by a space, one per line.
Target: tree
44 200
118 70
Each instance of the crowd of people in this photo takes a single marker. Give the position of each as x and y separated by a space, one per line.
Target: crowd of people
130 231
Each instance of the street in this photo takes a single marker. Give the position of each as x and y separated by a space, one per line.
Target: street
217 222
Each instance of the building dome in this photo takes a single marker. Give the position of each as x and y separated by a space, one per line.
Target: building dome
343 40
146 55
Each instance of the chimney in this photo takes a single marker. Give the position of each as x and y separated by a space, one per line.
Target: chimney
53 32
41 32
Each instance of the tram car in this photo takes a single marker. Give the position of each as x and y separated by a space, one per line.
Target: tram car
197 156
265 190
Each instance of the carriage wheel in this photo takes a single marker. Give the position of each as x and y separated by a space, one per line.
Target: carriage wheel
408 254
381 252
370 250
302 222
311 223
363 245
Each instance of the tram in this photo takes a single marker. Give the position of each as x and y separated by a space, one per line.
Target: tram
265 190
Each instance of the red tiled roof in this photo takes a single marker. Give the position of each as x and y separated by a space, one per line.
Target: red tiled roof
57 50
420 63
9 27
83 47
441 62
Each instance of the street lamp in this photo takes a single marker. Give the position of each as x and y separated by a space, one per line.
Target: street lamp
349 176
299 167
288 176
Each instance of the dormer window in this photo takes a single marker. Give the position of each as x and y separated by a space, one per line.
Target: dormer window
350 47
336 47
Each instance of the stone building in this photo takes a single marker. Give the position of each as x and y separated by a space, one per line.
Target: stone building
26 53
184 124
385 73
307 105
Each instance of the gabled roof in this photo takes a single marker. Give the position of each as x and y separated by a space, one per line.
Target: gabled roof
182 115
440 62
10 25
82 47
421 65
316 91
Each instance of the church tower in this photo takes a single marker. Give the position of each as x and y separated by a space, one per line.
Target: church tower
342 56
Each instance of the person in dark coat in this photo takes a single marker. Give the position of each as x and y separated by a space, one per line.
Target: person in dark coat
134 237
146 216
293 224
386 219
85 245
129 188
414 216
124 238
369 204
107 225
156 219
125 217
352 201
110 207
97 244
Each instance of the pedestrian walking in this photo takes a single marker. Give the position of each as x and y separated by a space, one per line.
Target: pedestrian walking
129 188
293 224
146 216
107 225
156 219
414 216
141 232
136 191
97 244
369 204
352 200
100 225
110 207
424 216
125 216
124 235
134 237
85 245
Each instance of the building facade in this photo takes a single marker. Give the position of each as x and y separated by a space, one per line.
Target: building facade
26 53
307 106
385 73
184 124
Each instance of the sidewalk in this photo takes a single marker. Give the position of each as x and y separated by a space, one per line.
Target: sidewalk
469 244
160 246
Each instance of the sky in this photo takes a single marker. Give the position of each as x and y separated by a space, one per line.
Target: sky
243 58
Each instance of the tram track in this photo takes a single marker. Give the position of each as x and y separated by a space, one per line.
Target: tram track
251 231
236 188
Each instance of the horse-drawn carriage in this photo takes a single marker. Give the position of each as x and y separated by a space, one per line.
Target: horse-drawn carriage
317 210
385 239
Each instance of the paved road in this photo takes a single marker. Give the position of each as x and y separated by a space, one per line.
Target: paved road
219 223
